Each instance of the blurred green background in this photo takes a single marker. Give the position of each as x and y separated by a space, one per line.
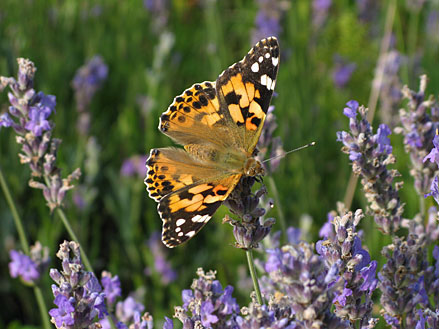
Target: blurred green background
156 49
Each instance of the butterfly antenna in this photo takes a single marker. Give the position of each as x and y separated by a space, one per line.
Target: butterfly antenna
291 151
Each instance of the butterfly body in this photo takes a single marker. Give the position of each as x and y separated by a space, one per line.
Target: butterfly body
219 124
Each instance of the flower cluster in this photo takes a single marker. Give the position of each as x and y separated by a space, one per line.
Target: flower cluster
301 288
206 304
419 124
87 81
370 155
161 265
342 247
78 294
407 280
128 313
29 268
29 116
252 227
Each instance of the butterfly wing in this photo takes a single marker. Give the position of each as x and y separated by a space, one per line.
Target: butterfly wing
188 191
245 89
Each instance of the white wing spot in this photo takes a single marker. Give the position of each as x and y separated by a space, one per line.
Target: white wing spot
273 84
255 67
264 80
189 234
181 233
269 81
275 60
260 59
178 229
200 219
267 55
180 221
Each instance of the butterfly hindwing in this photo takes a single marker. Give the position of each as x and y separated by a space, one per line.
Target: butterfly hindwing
172 169
187 210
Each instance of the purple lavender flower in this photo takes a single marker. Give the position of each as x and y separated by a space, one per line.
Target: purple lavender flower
21 265
63 316
206 310
29 268
39 113
434 190
433 156
207 304
29 117
429 318
134 166
6 121
77 292
169 324
88 79
342 72
111 287
370 155
419 123
126 310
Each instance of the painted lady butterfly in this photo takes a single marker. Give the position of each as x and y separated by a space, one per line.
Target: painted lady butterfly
219 124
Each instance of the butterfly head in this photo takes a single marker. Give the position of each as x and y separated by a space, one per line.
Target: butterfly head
253 168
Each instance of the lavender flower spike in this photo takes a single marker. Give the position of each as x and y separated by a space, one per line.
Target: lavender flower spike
370 155
29 116
420 120
343 248
78 295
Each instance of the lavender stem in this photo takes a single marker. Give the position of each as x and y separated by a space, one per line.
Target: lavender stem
251 266
18 224
72 234
25 246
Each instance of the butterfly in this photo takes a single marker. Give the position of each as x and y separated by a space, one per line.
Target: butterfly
219 124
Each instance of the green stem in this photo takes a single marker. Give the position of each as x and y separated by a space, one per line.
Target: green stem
42 306
280 213
25 246
73 236
18 224
422 206
251 266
